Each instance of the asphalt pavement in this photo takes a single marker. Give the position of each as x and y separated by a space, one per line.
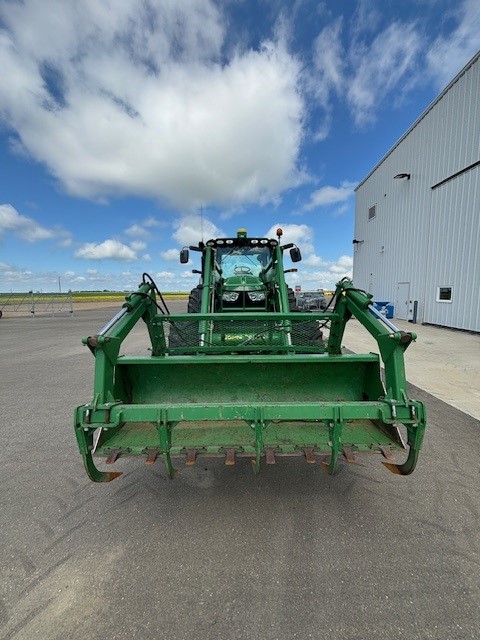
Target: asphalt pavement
219 552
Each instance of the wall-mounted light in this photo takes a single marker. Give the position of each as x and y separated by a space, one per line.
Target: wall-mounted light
399 176
358 241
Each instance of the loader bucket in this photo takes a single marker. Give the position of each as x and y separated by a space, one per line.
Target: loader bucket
244 387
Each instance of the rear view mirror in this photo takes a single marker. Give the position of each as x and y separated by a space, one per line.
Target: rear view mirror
184 256
295 254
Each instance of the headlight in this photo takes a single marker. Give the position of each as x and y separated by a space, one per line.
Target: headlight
230 296
256 296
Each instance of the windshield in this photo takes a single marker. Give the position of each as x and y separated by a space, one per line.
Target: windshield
241 261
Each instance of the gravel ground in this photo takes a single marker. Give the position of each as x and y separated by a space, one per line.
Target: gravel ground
220 553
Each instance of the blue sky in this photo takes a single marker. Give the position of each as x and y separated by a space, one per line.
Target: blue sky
120 120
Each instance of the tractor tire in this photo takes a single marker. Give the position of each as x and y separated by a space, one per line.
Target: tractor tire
195 300
186 333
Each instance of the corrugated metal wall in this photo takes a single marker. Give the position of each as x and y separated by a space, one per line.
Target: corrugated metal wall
422 236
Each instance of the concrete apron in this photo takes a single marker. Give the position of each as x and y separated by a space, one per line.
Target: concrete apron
443 362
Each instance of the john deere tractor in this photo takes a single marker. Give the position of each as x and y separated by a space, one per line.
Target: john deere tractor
244 373
243 274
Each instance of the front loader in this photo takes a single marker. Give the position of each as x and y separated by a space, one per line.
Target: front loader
244 373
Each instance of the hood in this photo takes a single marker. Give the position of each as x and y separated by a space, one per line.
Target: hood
243 283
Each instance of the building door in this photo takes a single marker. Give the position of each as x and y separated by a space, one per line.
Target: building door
402 300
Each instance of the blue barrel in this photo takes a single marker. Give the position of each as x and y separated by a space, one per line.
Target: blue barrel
384 307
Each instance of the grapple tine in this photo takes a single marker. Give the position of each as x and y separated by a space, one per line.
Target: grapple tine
230 457
112 456
152 455
415 439
259 426
191 457
386 453
95 474
349 455
335 429
309 456
270 456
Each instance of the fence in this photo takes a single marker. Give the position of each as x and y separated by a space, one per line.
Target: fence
37 303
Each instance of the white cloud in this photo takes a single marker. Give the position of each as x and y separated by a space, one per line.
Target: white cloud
146 257
326 196
64 238
153 222
339 211
170 255
25 228
164 275
381 67
299 234
314 261
326 277
375 65
325 273
107 250
448 54
189 230
138 245
137 231
140 99
343 266
329 62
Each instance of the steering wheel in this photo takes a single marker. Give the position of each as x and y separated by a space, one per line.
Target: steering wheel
240 270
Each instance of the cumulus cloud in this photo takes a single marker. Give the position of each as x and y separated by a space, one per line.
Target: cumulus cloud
106 250
191 228
137 231
314 271
300 234
327 274
138 245
170 255
23 227
314 261
64 238
328 195
448 54
343 266
165 275
141 99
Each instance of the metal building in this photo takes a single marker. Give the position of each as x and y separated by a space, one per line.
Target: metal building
417 214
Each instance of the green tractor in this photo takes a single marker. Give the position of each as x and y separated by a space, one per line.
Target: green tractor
244 373
244 274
